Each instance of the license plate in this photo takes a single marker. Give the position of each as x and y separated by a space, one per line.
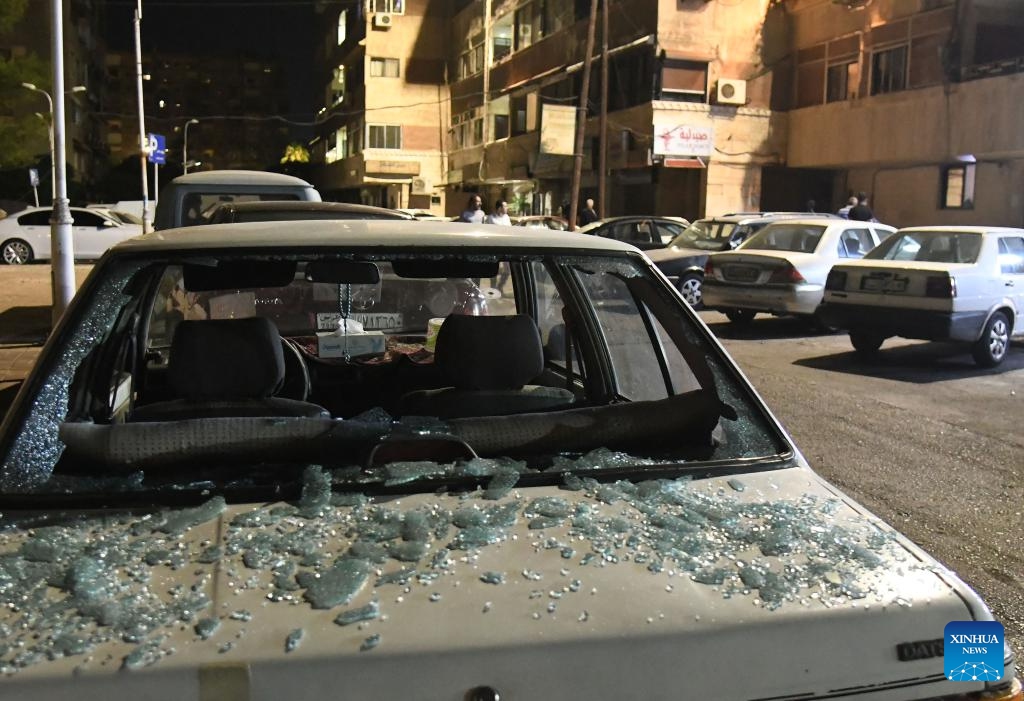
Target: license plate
741 273
884 283
376 321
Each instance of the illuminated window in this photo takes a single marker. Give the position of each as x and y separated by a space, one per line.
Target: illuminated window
342 26
338 85
889 70
383 67
383 136
393 7
958 186
337 146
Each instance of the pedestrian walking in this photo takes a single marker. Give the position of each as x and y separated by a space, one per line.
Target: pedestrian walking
474 213
861 211
588 215
499 215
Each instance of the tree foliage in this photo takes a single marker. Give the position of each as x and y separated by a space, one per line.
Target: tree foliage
11 11
23 135
295 153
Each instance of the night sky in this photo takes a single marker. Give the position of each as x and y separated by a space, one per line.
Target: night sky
277 29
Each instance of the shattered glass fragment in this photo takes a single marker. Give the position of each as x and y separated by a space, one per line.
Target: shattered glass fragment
358 615
370 643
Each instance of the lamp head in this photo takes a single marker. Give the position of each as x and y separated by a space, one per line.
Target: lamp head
30 86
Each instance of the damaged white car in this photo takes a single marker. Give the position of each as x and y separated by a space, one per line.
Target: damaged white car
385 460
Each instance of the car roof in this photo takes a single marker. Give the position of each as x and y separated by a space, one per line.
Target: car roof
966 229
309 205
238 177
392 234
744 217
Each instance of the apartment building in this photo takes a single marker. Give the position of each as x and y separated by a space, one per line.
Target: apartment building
689 124
385 103
918 103
236 101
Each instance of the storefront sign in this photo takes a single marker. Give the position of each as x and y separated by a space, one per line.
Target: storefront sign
393 167
674 139
558 129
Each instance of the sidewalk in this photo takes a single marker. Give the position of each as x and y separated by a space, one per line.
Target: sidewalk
24 322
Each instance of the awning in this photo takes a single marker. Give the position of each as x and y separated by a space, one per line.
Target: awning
389 180
649 39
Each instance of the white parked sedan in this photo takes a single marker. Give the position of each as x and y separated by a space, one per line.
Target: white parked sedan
782 268
212 488
940 283
25 236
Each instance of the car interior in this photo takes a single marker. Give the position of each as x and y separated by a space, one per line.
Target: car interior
233 342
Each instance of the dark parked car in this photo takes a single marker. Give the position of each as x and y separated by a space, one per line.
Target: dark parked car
285 210
683 259
644 232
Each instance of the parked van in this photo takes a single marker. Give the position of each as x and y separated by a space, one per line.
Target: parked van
189 199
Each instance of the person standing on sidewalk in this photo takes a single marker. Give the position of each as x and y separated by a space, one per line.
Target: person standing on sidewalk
861 211
499 215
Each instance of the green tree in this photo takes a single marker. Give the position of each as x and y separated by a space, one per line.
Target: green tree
295 153
24 138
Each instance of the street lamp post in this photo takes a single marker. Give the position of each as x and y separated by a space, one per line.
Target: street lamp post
62 253
184 146
49 129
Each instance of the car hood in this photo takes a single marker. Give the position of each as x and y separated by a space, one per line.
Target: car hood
768 585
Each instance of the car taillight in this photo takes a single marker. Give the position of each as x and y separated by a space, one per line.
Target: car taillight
836 280
940 286
786 275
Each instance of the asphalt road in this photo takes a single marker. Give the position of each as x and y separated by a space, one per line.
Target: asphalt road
923 438
920 436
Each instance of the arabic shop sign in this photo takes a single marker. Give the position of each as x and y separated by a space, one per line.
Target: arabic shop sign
674 139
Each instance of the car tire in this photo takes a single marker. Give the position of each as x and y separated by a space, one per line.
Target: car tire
991 348
16 252
866 343
691 286
740 317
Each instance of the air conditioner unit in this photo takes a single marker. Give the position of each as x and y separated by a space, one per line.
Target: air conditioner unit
420 186
383 19
731 92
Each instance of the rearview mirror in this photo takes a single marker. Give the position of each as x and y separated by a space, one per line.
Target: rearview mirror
343 272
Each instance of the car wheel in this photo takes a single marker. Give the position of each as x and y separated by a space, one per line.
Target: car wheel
866 343
991 348
740 316
692 288
16 252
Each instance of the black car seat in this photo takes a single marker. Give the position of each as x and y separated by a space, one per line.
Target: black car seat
488 362
227 367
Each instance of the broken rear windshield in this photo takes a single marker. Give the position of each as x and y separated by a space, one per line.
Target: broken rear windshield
391 370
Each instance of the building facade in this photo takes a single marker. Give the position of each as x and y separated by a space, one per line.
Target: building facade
919 104
236 102
384 104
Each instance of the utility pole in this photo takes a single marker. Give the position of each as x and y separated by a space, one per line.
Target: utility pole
602 159
147 219
581 118
62 253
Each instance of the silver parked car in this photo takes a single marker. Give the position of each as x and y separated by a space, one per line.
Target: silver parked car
782 268
299 460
